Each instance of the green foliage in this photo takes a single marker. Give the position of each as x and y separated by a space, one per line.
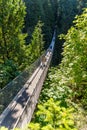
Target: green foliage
53 90
51 116
74 64
54 111
3 128
37 42
8 71
12 43
11 24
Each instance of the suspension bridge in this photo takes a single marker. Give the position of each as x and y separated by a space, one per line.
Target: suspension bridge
19 98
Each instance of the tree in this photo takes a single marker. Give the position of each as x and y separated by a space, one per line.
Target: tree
12 43
37 42
11 24
74 63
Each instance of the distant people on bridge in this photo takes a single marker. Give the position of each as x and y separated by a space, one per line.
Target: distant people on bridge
43 61
50 49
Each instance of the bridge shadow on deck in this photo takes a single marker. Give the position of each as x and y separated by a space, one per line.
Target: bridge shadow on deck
14 113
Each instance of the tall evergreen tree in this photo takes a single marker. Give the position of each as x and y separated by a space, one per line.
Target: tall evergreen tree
12 43
37 42
12 13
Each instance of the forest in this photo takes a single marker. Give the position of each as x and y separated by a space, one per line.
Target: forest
26 29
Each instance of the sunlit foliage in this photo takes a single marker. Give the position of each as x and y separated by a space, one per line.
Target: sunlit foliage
74 64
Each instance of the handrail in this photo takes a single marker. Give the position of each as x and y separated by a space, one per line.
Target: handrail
12 88
8 85
29 99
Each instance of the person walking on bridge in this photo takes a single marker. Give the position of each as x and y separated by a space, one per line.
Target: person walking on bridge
49 50
43 60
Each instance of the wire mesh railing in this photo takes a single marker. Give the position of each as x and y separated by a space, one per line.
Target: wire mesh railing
32 101
10 90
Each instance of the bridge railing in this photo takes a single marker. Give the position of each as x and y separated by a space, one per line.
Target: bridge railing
10 90
26 115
